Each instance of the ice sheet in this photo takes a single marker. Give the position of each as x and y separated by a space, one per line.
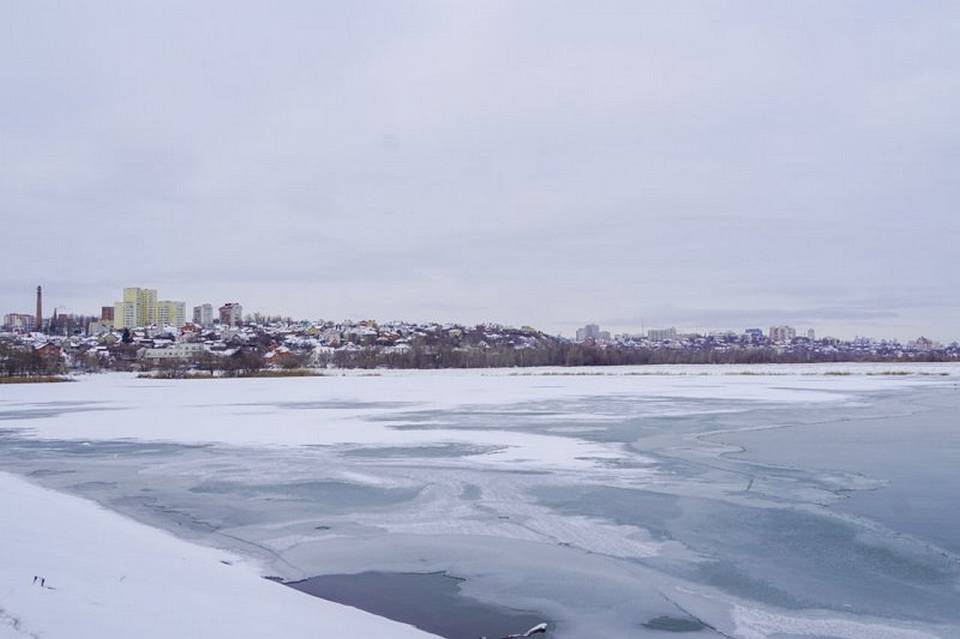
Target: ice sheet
107 576
590 495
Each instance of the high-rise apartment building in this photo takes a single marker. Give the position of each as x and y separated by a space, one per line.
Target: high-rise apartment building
231 314
124 315
782 333
20 322
171 313
139 307
145 300
203 315
662 334
590 331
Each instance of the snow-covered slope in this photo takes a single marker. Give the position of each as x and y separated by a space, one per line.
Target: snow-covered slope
107 576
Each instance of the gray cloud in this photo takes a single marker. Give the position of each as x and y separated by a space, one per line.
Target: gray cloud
543 163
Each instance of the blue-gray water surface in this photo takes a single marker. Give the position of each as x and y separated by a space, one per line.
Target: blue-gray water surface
429 601
844 511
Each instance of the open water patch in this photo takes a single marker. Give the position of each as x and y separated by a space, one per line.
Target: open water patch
430 601
666 623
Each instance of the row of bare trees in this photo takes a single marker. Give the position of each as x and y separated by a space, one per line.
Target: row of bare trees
241 363
20 361
585 354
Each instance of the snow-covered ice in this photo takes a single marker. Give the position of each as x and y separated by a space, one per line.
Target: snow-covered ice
598 497
108 576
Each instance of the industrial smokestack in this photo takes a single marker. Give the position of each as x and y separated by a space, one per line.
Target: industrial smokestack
39 309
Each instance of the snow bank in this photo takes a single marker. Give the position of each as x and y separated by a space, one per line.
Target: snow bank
108 576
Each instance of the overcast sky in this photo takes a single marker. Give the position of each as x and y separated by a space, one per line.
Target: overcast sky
699 164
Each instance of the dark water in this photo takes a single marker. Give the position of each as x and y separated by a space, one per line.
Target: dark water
674 624
430 601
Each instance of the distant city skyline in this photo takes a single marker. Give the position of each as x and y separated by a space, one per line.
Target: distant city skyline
703 165
207 312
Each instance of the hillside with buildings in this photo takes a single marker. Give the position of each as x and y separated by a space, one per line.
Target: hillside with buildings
142 333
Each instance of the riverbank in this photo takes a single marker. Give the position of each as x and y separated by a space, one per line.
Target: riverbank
108 576
265 373
35 379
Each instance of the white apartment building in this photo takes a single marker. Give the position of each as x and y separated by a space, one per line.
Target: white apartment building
179 350
22 322
590 331
782 333
662 334
171 313
203 315
99 327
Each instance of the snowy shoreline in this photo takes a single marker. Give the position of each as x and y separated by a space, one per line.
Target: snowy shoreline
108 576
826 369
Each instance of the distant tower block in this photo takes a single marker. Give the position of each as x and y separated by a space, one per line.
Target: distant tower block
39 321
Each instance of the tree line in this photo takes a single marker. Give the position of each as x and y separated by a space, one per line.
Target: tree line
583 354
20 361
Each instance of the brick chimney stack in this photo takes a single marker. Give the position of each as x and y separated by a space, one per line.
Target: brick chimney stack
39 326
